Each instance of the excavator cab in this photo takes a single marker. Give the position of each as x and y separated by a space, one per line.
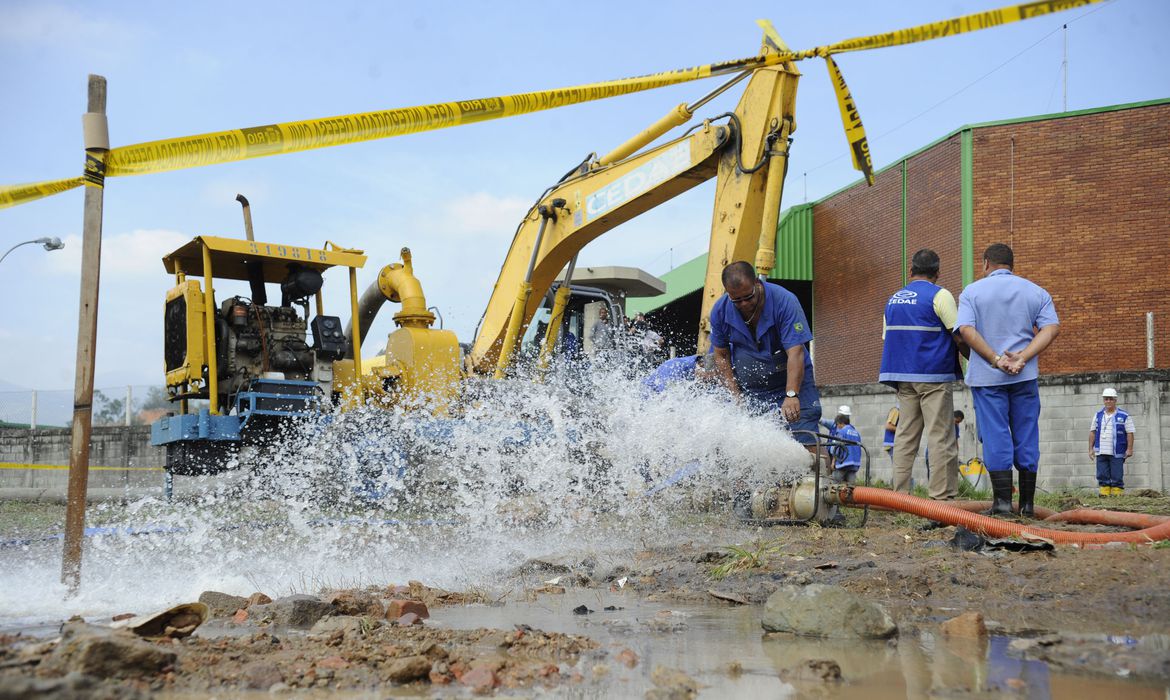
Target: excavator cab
580 313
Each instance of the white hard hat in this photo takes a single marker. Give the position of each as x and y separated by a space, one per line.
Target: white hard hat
1109 393
844 411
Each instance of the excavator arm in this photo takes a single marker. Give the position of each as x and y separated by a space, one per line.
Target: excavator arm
748 155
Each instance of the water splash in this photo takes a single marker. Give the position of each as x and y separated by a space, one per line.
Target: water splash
381 496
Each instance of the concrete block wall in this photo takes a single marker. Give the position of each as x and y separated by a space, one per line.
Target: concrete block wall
124 455
1068 403
1067 406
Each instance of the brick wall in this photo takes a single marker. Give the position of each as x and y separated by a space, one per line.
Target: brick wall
1085 205
1084 201
857 258
934 214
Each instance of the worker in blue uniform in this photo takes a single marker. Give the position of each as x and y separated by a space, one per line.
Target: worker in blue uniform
760 334
677 369
1007 321
846 458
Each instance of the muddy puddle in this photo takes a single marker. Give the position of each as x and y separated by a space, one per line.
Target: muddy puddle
724 651
723 648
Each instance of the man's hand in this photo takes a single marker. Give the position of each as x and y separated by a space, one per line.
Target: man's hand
791 409
1012 362
1092 454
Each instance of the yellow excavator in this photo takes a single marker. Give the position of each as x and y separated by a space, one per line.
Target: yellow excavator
254 365
745 150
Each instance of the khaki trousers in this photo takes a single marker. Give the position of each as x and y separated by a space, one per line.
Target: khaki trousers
928 405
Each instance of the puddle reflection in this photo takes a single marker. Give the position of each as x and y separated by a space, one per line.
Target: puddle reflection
725 650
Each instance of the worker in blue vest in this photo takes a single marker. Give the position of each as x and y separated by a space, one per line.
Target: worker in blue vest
760 335
920 360
846 458
1007 321
1111 443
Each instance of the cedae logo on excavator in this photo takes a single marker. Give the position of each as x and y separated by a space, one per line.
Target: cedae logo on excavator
662 167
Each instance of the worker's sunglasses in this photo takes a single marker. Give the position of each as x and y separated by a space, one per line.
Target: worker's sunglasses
743 300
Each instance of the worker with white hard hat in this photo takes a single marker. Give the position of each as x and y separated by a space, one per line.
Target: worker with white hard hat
846 458
1111 439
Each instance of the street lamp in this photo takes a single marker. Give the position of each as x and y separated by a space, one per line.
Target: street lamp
53 243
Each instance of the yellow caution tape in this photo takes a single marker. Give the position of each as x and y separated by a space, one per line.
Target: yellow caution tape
20 465
11 195
772 36
291 137
957 25
854 131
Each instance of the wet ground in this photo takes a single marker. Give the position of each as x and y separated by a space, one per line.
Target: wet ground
670 614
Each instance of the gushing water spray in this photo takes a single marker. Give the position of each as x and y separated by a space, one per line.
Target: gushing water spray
383 495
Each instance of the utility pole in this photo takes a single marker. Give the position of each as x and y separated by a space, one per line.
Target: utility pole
97 144
1064 68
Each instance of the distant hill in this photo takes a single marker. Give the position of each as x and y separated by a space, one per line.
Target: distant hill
9 386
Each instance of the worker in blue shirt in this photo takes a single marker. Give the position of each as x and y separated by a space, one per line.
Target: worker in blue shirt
677 369
1007 321
846 458
760 334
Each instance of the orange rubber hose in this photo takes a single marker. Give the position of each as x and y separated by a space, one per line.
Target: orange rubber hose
935 510
1041 513
1088 516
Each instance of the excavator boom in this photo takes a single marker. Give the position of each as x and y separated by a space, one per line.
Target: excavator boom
748 155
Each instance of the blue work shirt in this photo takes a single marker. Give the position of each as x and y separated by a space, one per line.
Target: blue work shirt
848 456
679 369
759 359
1006 310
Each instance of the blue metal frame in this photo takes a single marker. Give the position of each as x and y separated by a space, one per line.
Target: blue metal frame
246 401
195 426
204 426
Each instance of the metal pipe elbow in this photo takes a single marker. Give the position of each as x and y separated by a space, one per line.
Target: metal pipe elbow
398 284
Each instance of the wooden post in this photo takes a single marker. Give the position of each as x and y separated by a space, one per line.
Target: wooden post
96 146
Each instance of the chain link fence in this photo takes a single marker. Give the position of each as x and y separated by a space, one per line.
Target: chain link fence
139 404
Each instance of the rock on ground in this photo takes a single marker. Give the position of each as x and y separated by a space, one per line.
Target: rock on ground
969 625
819 610
222 604
407 669
296 611
68 687
106 653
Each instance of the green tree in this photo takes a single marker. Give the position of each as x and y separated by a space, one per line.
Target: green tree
156 397
108 411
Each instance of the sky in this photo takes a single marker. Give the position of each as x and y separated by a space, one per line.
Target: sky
455 196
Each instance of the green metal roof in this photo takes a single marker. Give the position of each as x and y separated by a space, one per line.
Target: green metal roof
680 282
793 262
794 244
